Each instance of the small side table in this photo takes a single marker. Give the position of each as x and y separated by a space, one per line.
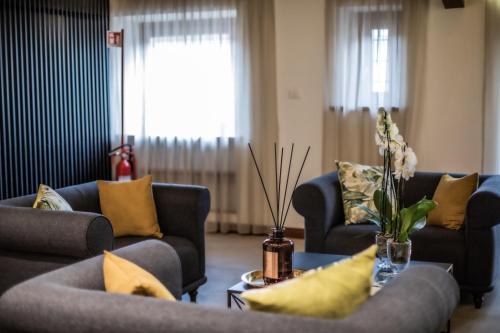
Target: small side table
234 292
301 260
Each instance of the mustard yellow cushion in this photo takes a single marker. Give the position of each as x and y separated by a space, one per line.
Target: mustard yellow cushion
48 199
332 292
452 195
124 277
130 207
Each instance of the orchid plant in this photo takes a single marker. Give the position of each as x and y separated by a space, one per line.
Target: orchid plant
394 219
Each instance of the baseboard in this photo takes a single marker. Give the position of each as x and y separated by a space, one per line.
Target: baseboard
294 233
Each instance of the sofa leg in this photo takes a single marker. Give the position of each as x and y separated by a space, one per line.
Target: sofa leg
478 300
192 295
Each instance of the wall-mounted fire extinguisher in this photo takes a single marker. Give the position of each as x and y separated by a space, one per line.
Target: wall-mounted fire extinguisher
125 168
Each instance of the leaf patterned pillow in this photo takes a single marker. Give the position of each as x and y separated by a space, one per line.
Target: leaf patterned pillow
358 183
49 199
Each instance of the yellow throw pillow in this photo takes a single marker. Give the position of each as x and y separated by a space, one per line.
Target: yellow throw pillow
130 207
48 199
452 195
332 292
124 277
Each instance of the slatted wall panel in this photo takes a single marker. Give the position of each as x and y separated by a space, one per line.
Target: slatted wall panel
54 119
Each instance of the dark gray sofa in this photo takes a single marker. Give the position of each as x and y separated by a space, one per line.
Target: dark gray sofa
72 299
474 250
34 241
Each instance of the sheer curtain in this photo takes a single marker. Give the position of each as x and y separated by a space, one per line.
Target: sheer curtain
375 53
491 142
199 85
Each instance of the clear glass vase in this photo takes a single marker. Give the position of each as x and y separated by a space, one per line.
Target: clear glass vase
381 241
399 254
384 270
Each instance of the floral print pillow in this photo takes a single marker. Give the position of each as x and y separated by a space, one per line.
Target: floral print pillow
48 199
358 183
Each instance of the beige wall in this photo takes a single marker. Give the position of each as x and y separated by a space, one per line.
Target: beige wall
300 36
451 129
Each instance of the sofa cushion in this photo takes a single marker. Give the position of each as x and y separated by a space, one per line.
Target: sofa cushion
428 244
48 199
452 195
439 244
333 292
130 207
124 277
358 183
350 239
185 249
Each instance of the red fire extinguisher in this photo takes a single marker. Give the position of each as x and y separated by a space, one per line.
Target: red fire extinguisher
125 168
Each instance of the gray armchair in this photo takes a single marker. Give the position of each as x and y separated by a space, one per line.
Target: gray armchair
34 241
72 299
474 250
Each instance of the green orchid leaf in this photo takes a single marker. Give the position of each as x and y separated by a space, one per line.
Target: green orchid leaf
378 198
413 217
419 224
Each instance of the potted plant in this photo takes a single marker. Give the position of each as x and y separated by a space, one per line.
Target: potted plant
396 221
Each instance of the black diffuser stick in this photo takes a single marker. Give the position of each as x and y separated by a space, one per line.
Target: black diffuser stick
296 182
263 186
276 184
279 187
286 184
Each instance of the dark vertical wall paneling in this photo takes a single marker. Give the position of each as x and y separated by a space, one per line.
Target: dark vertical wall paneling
54 116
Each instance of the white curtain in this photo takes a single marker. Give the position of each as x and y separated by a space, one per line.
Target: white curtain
199 85
491 155
375 49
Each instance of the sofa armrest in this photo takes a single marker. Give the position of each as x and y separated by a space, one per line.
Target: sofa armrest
72 234
422 298
483 208
481 236
182 211
319 201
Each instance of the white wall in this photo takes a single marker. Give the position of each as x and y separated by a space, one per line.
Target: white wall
300 43
452 100
451 129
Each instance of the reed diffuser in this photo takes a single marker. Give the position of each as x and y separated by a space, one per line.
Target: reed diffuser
278 250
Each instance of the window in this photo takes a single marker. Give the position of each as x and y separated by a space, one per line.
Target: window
367 54
190 87
380 39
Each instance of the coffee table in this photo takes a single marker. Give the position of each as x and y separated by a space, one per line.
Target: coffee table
307 261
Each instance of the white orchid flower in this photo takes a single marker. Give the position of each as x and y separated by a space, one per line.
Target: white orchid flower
405 163
387 136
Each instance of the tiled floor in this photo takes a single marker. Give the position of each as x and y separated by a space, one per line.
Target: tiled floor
228 256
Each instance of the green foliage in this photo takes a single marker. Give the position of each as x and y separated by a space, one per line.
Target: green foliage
378 199
402 225
413 218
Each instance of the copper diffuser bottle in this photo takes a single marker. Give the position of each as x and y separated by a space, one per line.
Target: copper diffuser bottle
277 257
